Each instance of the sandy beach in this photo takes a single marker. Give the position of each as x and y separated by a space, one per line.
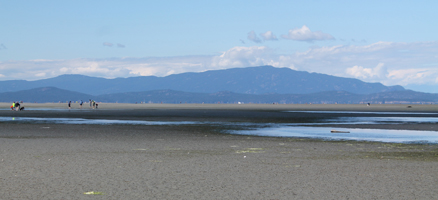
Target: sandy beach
80 161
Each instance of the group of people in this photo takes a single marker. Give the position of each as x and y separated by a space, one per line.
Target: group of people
93 104
16 106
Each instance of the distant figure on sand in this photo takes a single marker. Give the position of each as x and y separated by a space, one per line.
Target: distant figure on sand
90 103
13 106
17 106
94 104
80 104
69 105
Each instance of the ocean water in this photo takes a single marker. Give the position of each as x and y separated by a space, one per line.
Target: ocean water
379 135
284 130
380 120
304 130
90 121
363 112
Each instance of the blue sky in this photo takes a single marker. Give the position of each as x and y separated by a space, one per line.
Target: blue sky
392 42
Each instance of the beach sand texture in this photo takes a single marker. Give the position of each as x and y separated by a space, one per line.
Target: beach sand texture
62 161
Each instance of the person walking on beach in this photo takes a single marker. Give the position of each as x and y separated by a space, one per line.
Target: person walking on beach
69 105
90 103
80 104
13 106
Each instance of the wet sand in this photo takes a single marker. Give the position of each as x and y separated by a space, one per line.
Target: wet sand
60 161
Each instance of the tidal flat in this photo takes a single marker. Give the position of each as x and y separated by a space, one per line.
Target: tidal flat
186 161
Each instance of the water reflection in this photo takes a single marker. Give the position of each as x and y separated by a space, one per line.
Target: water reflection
380 135
380 120
283 130
366 112
90 121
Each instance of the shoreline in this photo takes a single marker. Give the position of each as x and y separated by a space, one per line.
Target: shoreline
243 113
273 107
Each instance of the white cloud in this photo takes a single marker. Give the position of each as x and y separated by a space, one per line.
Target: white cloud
253 37
370 74
106 68
268 35
403 62
414 76
248 56
40 74
240 57
304 34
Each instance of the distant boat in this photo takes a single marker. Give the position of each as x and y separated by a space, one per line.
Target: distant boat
336 131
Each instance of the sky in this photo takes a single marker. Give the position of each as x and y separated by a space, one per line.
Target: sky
391 42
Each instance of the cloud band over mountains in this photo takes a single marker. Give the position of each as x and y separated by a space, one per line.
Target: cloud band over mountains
390 63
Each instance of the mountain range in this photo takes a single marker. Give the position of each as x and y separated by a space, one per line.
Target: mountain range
263 84
250 80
